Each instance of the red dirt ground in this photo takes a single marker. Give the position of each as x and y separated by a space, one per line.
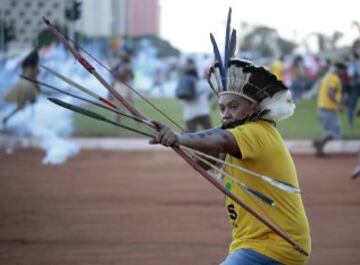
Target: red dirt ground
151 208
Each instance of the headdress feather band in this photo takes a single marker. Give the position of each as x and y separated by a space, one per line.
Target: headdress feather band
241 77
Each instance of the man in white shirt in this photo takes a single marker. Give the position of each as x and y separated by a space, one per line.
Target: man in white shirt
196 112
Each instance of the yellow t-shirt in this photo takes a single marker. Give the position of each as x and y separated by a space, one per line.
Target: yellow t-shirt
330 80
263 151
277 69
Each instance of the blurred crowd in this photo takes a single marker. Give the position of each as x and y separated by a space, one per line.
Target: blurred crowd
334 84
304 74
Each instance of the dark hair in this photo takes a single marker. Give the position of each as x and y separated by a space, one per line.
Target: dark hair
192 72
190 67
31 60
340 66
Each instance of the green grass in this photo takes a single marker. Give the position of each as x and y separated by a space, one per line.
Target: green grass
303 124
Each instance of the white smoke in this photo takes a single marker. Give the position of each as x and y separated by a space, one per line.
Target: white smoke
53 125
49 123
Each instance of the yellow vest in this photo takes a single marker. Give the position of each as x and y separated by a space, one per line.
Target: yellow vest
263 151
330 80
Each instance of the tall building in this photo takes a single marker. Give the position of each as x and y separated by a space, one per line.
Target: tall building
24 16
105 18
142 17
97 17
114 18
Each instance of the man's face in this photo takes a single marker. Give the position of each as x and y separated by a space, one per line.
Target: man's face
233 107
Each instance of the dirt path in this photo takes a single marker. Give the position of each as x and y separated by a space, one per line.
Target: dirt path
151 208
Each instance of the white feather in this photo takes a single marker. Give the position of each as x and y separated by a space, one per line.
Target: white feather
218 79
243 80
281 106
231 77
213 83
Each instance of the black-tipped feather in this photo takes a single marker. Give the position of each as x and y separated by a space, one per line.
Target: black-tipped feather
227 45
261 196
232 44
218 59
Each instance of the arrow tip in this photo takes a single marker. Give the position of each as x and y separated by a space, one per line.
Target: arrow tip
46 20
54 100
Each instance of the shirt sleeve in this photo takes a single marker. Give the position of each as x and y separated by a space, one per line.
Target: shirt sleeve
248 140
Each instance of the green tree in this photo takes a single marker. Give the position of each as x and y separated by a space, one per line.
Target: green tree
163 47
266 42
45 38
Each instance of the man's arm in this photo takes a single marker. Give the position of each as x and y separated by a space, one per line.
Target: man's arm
213 141
332 95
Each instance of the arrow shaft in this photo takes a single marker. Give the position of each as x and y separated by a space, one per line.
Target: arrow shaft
80 87
95 115
254 192
89 101
276 183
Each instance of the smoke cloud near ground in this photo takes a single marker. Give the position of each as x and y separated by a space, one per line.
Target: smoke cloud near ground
50 124
53 125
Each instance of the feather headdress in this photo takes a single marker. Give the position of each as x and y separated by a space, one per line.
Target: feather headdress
233 75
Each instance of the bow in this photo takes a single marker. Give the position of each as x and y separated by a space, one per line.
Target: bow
91 69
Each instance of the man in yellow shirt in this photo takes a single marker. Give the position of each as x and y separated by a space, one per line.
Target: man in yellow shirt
328 103
251 100
249 139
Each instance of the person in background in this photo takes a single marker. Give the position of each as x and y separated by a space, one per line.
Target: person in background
298 77
196 110
277 68
354 73
123 77
24 92
328 104
158 82
353 91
